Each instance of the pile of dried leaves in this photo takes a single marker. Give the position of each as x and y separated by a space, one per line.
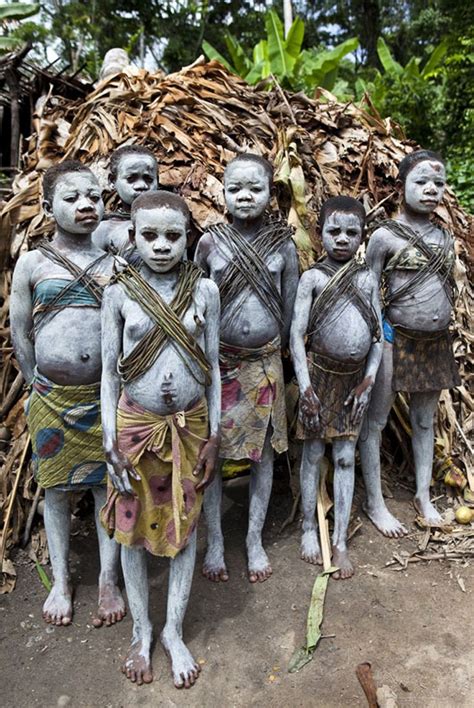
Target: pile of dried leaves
195 121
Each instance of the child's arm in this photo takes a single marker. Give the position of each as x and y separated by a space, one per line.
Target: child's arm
309 402
289 286
209 453
360 396
21 316
118 466
377 250
202 252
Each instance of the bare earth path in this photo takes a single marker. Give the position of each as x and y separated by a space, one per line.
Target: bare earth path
416 627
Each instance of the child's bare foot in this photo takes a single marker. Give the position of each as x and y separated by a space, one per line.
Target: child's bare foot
214 567
428 511
111 605
137 664
310 550
58 606
185 670
259 568
384 521
341 560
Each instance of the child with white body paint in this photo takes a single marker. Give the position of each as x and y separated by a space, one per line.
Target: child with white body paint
255 265
414 259
133 170
56 330
160 411
337 312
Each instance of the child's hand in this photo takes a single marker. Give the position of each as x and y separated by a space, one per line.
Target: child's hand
207 459
359 397
119 468
309 409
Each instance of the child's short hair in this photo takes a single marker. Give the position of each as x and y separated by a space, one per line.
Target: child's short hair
159 198
409 162
128 150
257 160
54 173
346 204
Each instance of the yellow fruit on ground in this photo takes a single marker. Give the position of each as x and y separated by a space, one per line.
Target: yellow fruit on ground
463 515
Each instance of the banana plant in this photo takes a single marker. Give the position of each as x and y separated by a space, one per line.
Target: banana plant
282 57
275 55
13 12
407 75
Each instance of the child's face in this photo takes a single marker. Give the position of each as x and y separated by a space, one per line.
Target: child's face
160 237
246 190
424 186
77 205
342 234
135 174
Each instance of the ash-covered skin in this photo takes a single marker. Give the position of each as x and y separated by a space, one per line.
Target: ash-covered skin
427 309
247 323
136 174
344 336
66 349
167 387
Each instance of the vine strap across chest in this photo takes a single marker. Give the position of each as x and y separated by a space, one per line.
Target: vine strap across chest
167 327
84 279
342 282
248 268
436 261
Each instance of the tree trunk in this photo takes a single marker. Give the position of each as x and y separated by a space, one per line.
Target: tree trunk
287 15
13 87
370 30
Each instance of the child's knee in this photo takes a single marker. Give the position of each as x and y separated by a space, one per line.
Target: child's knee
344 460
421 420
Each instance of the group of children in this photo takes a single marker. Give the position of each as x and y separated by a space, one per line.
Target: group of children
148 369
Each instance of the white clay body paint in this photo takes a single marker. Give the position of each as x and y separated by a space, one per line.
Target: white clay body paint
424 186
77 203
160 237
246 190
426 309
136 174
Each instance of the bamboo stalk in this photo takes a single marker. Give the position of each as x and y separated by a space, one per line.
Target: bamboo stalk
323 506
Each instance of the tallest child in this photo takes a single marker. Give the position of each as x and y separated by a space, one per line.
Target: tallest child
255 265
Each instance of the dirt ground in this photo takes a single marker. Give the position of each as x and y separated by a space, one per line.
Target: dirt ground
414 626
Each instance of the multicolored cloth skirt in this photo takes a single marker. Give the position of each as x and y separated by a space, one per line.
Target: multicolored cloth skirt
66 434
332 382
423 361
164 450
253 396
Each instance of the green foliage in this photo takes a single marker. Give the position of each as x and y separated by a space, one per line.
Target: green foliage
17 11
274 55
283 58
13 12
461 172
412 94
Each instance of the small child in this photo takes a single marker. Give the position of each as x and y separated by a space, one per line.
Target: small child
161 410
133 170
337 311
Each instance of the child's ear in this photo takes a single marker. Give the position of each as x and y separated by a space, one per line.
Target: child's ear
400 189
111 181
131 234
47 208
